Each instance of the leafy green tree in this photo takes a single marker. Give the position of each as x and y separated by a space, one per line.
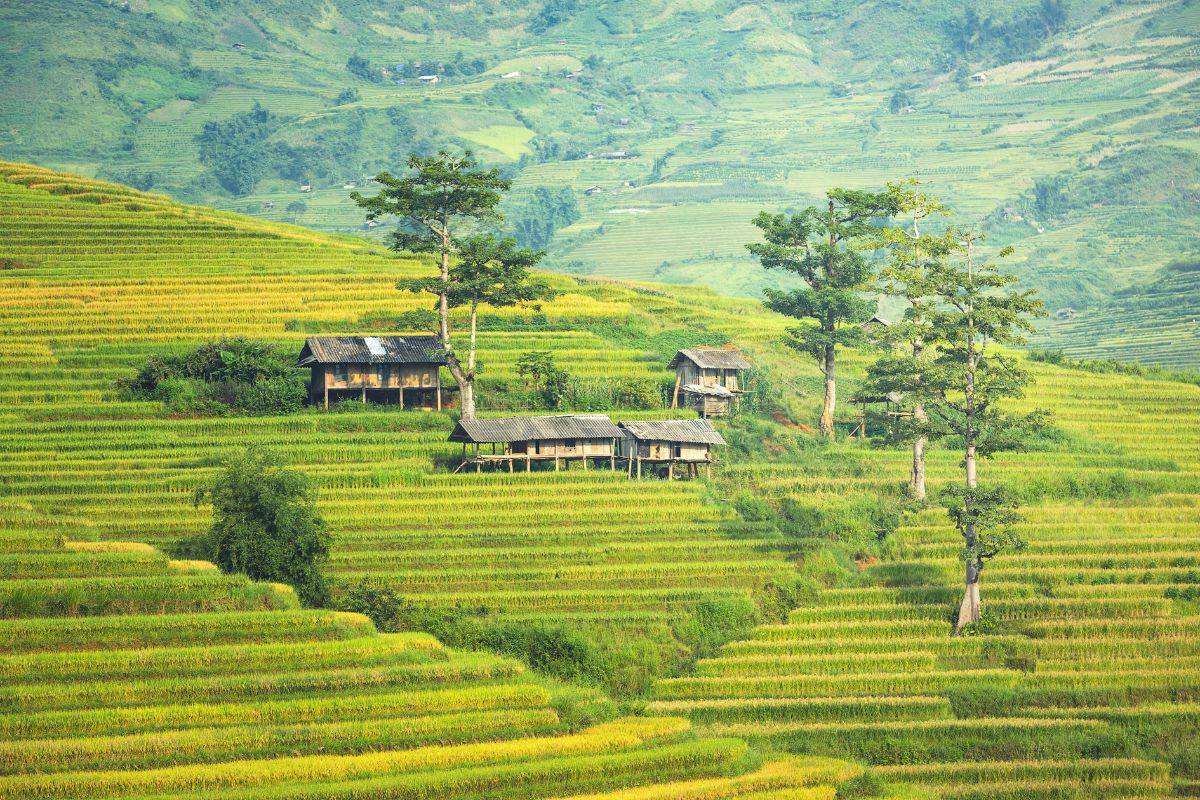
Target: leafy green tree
236 149
961 388
825 247
905 275
442 192
545 377
494 272
266 525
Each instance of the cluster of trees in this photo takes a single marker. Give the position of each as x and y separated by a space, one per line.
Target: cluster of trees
228 375
235 149
972 34
266 525
458 65
441 205
943 357
535 222
238 151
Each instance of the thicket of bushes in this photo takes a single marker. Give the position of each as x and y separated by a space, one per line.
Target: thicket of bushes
228 375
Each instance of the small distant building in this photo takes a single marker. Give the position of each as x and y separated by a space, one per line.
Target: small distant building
708 379
623 121
429 79
876 324
392 370
513 74
239 46
671 442
614 155
560 438
305 188
597 108
268 205
876 410
593 190
1065 313
980 77
350 185
372 223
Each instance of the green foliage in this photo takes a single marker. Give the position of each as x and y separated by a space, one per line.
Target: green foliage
236 149
228 375
266 525
535 222
544 378
986 517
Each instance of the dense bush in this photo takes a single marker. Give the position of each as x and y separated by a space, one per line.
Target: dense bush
266 526
227 375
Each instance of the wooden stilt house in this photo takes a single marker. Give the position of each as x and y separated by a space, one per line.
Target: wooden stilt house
708 379
514 441
685 443
396 370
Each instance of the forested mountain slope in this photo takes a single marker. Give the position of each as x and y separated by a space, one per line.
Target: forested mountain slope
1067 128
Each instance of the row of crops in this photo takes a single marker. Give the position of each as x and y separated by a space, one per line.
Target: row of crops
127 673
1090 684
103 287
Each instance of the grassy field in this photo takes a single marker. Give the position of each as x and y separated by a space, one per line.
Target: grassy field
131 674
1089 688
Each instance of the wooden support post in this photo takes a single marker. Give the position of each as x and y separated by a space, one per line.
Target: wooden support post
510 465
639 468
670 470
478 467
326 396
400 397
675 394
528 463
439 388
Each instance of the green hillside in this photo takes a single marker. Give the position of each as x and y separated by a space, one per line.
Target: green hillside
1067 129
1087 689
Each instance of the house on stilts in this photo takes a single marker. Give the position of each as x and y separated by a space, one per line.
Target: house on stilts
708 379
670 443
393 370
514 442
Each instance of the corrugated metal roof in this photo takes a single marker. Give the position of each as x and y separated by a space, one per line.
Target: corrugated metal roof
380 350
711 358
528 429
711 391
690 431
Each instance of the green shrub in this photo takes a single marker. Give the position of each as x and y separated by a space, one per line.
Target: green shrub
266 525
226 375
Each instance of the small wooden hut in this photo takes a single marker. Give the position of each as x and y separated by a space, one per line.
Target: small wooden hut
708 379
671 442
394 370
560 438
875 410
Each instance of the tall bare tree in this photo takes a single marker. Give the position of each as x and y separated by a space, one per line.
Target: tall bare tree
962 387
905 275
440 194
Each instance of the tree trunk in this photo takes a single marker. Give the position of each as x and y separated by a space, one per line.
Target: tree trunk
916 484
969 608
830 394
464 378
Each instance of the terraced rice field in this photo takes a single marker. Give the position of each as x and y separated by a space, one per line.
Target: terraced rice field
126 674
1090 687
107 276
138 675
